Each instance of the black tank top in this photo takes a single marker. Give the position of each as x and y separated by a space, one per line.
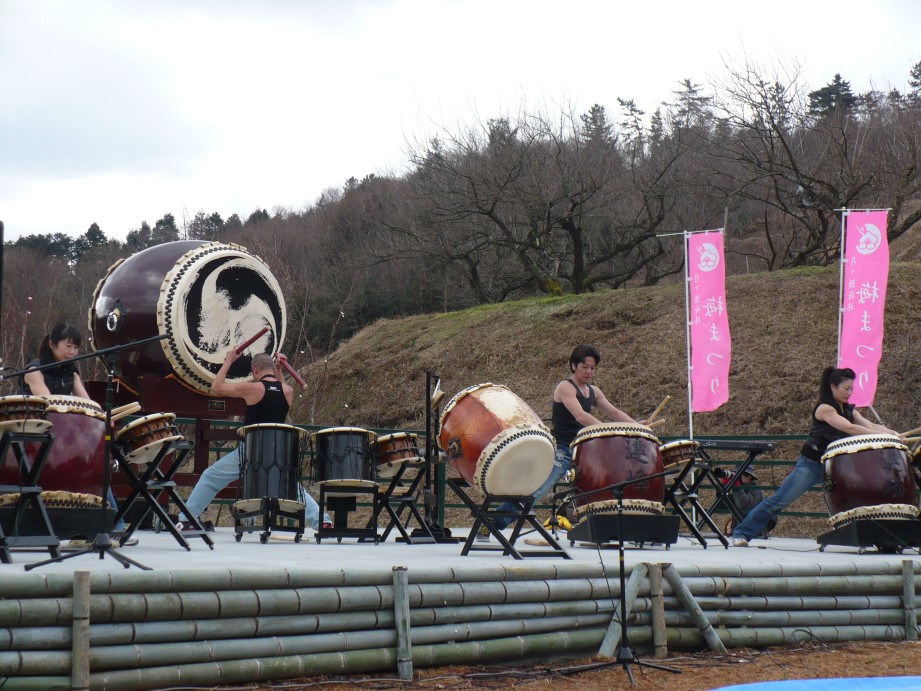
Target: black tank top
59 380
565 426
273 408
821 434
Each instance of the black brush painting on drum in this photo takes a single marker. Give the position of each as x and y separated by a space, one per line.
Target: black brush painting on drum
227 303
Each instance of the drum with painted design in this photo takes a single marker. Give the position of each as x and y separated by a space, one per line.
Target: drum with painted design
610 453
205 297
496 441
868 476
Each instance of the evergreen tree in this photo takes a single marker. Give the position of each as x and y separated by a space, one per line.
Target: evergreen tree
914 82
595 126
831 98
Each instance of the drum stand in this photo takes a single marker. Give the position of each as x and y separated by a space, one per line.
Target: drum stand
102 543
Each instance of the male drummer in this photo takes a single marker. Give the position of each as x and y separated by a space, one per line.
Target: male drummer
573 401
268 399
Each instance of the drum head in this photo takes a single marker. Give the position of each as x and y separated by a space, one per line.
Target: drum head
131 427
516 462
31 426
205 297
75 405
268 426
863 442
148 452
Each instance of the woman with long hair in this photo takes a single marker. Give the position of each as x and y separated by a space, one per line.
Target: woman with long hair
833 418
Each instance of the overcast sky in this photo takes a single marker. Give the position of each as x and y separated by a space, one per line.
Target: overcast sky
120 112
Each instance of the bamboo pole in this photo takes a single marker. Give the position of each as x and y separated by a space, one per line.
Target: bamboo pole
80 649
687 599
402 624
659 637
612 638
908 595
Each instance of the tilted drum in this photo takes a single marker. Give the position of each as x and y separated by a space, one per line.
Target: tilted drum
496 441
141 440
611 453
678 454
76 461
271 461
205 297
23 414
868 476
342 453
391 450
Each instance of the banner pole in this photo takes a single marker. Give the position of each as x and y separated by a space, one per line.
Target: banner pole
687 330
841 262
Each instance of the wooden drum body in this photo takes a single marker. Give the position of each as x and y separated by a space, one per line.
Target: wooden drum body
342 453
496 441
141 440
610 453
868 476
206 297
270 461
23 414
393 449
76 462
677 454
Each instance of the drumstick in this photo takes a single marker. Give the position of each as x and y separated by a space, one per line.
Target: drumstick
911 432
293 373
657 423
912 440
125 410
659 409
247 343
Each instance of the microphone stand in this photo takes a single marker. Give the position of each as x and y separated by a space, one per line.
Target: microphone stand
442 535
626 655
102 543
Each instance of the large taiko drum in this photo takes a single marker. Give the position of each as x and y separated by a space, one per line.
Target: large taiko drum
611 453
206 297
342 453
868 476
271 464
496 441
76 462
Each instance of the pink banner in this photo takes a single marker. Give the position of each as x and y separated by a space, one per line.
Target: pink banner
711 347
863 302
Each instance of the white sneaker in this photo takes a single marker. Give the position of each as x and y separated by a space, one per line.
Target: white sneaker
482 534
739 542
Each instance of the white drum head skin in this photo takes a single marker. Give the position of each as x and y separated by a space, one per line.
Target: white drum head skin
33 426
166 418
516 462
879 512
863 442
216 297
243 431
148 452
75 404
609 507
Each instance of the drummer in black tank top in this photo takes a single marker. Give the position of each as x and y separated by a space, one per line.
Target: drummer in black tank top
833 418
268 400
573 401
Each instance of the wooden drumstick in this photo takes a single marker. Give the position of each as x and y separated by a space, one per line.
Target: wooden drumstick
659 409
912 440
125 410
911 432
293 373
656 423
248 342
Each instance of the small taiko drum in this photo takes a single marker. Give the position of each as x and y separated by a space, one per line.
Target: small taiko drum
868 476
271 464
141 440
496 441
342 453
206 297
391 450
76 460
677 454
612 453
23 414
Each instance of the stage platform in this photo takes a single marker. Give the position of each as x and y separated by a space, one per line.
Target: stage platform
160 551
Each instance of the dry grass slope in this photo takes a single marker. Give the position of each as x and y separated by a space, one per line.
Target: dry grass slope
783 326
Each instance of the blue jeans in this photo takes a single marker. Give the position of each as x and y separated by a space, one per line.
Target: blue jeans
225 471
119 527
805 475
562 460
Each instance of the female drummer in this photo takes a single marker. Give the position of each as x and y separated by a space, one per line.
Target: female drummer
833 418
61 346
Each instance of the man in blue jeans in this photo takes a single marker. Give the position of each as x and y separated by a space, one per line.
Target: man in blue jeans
267 399
573 401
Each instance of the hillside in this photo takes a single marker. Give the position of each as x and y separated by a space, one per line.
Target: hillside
783 328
